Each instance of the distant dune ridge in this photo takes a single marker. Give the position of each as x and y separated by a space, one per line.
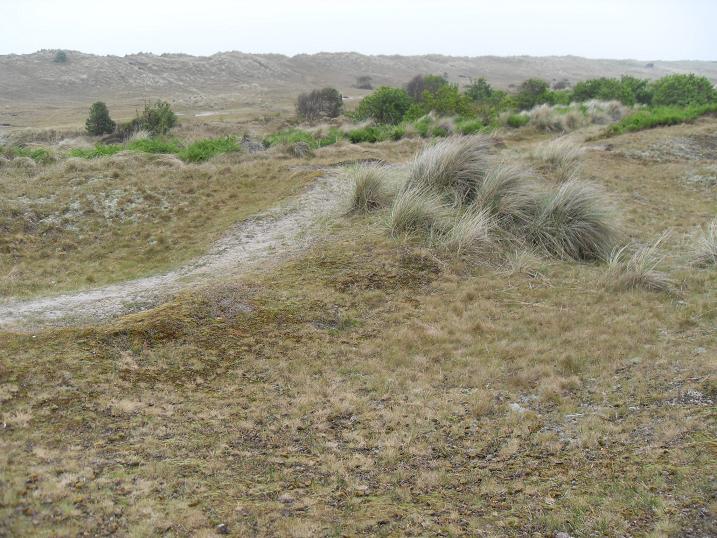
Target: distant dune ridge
35 78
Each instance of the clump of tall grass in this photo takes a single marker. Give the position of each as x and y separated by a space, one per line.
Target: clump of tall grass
560 158
632 268
545 118
417 210
705 249
453 167
370 187
469 233
574 221
507 192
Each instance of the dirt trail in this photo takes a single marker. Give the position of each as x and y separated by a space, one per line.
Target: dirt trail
265 238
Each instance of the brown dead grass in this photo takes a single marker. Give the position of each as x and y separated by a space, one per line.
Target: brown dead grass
371 388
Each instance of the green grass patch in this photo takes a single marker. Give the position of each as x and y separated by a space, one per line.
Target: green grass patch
39 155
290 136
202 150
100 150
517 120
155 145
649 118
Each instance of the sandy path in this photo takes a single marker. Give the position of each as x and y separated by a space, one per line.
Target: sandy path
264 239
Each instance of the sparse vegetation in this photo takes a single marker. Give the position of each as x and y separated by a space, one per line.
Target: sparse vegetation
705 248
631 268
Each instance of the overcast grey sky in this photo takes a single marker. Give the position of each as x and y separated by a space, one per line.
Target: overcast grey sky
641 29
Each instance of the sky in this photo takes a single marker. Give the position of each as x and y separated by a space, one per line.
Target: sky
638 29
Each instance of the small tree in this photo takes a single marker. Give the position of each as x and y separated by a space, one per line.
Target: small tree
157 118
324 103
99 121
532 92
364 82
420 84
479 90
60 57
385 105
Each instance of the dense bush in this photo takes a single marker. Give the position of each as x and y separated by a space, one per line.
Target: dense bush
420 84
447 100
60 57
628 90
683 90
533 92
385 105
99 121
324 103
157 118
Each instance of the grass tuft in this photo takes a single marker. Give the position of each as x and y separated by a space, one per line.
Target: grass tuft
508 193
453 167
637 270
469 233
560 158
370 191
417 210
705 251
575 221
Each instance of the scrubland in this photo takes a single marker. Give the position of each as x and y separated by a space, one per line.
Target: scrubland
510 334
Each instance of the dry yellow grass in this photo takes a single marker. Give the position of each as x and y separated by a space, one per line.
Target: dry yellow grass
371 387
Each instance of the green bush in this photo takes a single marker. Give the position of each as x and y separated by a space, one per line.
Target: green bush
517 120
420 84
447 101
157 118
202 150
60 57
324 103
533 92
470 126
656 117
683 90
99 121
628 90
385 105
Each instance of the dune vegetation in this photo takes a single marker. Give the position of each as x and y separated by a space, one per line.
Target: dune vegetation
507 327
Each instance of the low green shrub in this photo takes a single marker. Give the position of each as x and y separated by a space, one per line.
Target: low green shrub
202 150
289 136
649 118
470 126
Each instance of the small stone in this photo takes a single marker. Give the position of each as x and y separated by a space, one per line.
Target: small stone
562 535
222 528
517 408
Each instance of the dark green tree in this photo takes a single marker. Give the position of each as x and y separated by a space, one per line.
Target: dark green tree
99 121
